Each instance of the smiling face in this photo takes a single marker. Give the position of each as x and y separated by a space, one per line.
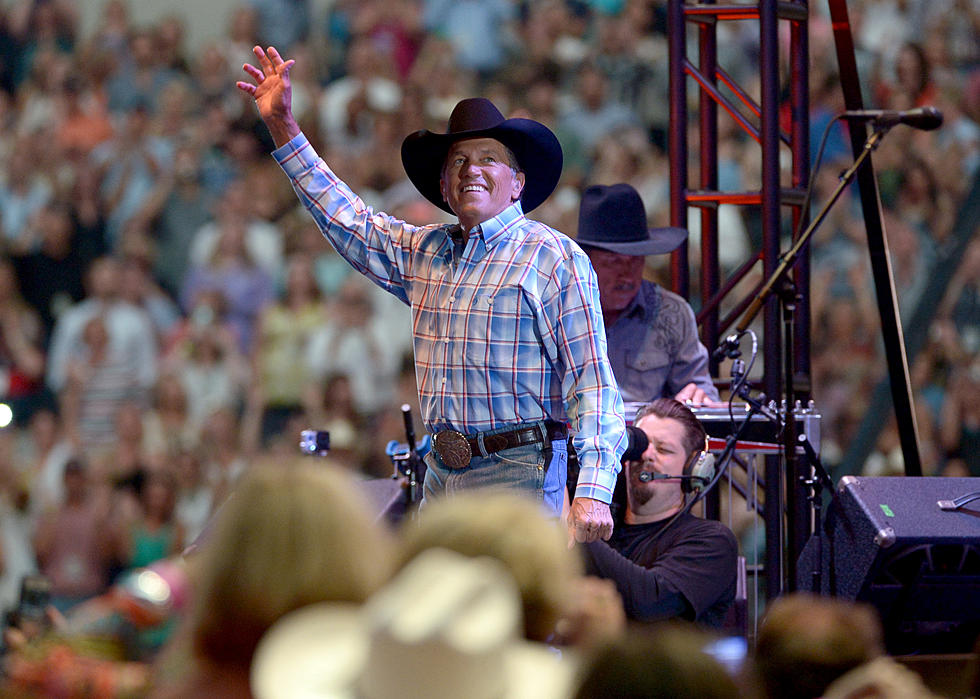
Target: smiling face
479 180
619 277
665 454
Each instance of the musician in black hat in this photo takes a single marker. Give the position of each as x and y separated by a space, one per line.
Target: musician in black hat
653 339
509 340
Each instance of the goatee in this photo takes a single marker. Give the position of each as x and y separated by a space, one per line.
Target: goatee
639 495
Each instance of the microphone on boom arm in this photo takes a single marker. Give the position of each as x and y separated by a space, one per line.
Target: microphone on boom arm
923 118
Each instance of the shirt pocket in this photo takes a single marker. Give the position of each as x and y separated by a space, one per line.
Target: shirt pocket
493 327
646 374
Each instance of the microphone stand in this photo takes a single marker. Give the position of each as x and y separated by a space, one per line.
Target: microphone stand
788 258
407 459
413 463
816 482
780 283
756 407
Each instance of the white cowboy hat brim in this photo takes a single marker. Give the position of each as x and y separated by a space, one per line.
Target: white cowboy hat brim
447 646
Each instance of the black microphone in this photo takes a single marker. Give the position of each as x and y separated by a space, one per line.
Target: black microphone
727 347
636 443
924 118
647 476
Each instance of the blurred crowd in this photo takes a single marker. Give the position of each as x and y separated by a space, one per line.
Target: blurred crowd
168 315
298 590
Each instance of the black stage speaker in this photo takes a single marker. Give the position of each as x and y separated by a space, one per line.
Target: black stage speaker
904 545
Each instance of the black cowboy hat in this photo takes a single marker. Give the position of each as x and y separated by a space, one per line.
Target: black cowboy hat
535 146
613 218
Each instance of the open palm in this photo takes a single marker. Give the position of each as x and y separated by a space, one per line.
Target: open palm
272 91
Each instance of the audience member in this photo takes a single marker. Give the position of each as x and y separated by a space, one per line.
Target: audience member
180 206
73 551
225 456
16 526
128 168
519 534
284 336
21 198
257 240
51 277
99 383
293 534
21 348
478 30
195 498
367 75
663 662
205 354
85 123
960 417
807 642
125 460
592 113
445 626
129 341
233 270
138 288
41 455
354 342
153 532
168 424
881 678
141 75
329 405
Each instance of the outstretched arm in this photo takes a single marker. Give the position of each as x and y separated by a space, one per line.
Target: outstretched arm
273 93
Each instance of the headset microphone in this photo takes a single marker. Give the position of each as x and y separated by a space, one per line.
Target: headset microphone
647 476
698 471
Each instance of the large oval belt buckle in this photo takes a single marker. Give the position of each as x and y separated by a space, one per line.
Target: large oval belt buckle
453 448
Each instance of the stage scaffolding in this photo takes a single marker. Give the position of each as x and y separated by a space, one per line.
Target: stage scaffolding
779 203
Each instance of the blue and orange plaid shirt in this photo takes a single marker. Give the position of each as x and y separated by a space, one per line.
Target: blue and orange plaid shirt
508 333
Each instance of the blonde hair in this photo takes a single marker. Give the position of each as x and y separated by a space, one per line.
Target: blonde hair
512 529
289 535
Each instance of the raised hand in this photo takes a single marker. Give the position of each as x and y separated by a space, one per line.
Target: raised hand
272 93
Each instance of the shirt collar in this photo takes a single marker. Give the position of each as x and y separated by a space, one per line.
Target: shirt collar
645 304
495 229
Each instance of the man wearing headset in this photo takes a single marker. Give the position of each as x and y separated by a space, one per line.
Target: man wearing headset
666 562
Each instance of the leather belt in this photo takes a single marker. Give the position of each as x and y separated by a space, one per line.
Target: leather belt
457 449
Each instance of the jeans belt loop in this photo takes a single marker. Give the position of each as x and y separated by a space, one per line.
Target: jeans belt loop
481 445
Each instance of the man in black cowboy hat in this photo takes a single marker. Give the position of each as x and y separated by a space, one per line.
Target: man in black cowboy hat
509 341
653 339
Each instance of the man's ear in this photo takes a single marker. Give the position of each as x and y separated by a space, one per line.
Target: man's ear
518 186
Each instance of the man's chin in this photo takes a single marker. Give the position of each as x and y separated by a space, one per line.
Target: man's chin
639 495
623 297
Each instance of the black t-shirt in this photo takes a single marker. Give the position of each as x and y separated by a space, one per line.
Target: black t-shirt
688 572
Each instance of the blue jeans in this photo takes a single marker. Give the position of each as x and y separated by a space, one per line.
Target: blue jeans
538 470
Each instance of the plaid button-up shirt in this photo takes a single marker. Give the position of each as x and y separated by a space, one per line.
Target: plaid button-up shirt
509 333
